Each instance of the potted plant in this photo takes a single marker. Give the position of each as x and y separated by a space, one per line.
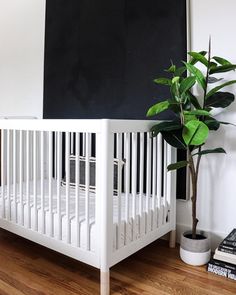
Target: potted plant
189 129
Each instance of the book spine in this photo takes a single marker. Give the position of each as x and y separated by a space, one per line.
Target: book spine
221 271
218 270
232 275
230 240
229 243
230 250
223 264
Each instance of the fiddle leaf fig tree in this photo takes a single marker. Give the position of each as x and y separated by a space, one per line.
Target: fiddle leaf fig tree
192 123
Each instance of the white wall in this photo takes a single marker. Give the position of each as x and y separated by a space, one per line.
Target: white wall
21 93
217 183
21 57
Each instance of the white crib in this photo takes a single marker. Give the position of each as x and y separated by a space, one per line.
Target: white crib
115 199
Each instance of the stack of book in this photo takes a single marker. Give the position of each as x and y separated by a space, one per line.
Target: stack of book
224 259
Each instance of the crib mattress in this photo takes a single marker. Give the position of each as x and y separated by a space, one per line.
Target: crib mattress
128 232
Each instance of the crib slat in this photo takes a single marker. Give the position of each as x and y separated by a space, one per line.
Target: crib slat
8 150
77 194
159 176
59 167
83 144
148 182
14 159
3 171
141 180
21 177
134 180
119 156
27 178
50 163
42 182
165 183
72 143
67 165
134 173
55 154
154 181
35 165
127 181
87 176
168 179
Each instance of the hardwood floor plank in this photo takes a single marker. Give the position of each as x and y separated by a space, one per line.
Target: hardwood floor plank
30 269
6 289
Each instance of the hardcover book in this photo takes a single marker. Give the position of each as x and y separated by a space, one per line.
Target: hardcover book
218 270
230 240
223 264
222 269
226 257
227 249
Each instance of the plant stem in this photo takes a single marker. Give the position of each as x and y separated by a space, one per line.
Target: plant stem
198 162
207 73
194 176
181 114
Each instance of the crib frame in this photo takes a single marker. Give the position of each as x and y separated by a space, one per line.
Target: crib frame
104 256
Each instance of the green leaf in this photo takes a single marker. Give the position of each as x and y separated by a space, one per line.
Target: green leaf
212 124
219 100
165 126
158 108
193 60
175 80
193 100
174 92
174 106
213 65
197 73
199 57
171 69
177 165
195 132
211 151
163 81
187 83
179 71
197 113
188 118
221 60
174 138
217 88
222 69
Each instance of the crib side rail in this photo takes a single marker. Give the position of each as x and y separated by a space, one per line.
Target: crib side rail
48 182
59 125
143 202
77 125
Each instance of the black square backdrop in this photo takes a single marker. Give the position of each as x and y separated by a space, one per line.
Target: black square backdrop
101 56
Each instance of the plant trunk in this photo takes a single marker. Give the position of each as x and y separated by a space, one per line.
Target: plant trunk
194 207
194 177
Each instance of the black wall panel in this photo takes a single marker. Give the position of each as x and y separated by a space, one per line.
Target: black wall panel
101 56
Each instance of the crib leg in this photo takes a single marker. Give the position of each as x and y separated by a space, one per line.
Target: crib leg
105 283
172 239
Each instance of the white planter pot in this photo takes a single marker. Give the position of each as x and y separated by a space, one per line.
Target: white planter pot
195 251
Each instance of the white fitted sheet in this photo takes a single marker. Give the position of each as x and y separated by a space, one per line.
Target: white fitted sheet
130 234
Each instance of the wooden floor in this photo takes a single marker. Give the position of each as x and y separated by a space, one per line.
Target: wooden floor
27 268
